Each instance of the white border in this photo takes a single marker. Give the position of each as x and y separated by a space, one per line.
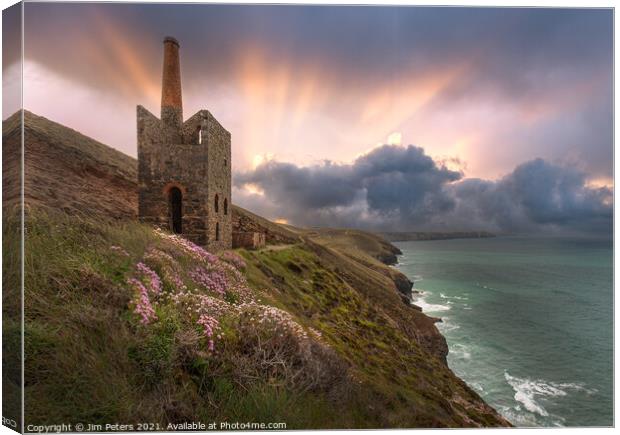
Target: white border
476 3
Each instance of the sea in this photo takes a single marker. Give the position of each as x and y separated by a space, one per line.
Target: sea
528 321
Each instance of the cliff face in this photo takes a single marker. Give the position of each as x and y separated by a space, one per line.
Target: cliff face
333 281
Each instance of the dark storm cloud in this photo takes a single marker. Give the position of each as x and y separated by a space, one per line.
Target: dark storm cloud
525 58
401 188
321 186
391 179
536 196
404 181
511 50
390 183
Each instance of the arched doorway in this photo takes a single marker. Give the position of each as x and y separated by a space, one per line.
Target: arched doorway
175 199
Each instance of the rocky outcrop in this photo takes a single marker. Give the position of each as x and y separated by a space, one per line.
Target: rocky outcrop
389 255
403 284
430 337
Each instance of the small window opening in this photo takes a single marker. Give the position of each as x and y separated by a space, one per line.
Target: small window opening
175 198
217 231
199 135
216 205
225 206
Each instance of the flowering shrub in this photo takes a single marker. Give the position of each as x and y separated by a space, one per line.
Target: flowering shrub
271 319
194 305
167 266
142 303
234 259
151 276
210 324
211 279
211 293
190 248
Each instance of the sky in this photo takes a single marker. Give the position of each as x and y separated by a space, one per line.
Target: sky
373 117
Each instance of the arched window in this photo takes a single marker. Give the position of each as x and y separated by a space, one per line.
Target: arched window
175 206
217 231
199 130
225 205
216 204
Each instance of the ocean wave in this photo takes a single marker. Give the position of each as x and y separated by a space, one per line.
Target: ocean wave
517 417
459 298
530 392
477 386
446 326
430 308
461 351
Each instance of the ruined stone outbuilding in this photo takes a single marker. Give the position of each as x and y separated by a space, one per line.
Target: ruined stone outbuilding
184 167
249 239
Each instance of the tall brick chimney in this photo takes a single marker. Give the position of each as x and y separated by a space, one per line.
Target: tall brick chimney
184 175
171 101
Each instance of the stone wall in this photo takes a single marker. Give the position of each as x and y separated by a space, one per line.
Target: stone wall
169 158
219 182
248 240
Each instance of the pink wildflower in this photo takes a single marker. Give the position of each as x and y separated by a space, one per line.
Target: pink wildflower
143 305
234 259
187 246
273 319
210 324
152 276
167 265
212 279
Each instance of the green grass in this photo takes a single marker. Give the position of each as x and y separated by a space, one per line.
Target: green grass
88 358
409 387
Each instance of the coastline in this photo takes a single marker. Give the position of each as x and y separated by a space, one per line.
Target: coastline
420 236
417 302
541 376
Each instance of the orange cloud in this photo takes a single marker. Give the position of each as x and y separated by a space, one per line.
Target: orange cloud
111 50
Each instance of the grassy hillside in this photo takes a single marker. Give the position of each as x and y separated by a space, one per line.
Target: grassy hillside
66 170
357 243
367 249
125 323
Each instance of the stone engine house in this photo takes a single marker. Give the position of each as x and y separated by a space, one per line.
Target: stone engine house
184 168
